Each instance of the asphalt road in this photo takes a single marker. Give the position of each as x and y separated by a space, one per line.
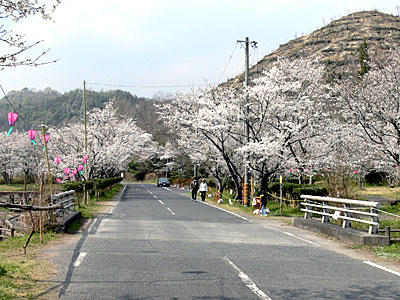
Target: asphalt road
158 244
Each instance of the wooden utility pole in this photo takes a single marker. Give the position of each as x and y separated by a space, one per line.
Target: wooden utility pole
48 163
86 151
247 44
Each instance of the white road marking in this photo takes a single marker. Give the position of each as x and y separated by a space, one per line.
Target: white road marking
101 225
229 212
171 211
161 202
123 191
155 196
80 258
382 268
91 225
248 282
299 238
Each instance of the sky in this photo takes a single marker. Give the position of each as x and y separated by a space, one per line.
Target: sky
156 47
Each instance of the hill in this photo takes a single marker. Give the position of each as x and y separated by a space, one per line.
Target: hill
337 44
57 109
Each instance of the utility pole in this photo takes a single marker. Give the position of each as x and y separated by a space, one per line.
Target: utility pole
47 161
247 44
86 171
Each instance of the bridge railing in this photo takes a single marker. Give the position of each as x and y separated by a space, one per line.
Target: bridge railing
348 210
65 203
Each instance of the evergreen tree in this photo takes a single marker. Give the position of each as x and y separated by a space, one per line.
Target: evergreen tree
364 60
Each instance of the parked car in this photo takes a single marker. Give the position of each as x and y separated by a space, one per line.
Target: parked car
162 181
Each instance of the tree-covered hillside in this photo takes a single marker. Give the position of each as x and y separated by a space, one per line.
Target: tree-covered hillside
57 109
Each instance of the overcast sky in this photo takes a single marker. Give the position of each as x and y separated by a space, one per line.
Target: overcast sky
166 42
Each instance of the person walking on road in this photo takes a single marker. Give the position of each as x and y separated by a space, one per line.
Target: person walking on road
203 189
194 185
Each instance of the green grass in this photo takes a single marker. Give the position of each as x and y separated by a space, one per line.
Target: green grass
383 191
287 211
391 252
394 209
109 195
25 276
20 275
92 210
274 207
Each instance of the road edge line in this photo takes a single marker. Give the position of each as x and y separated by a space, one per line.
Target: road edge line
250 284
80 258
225 210
381 267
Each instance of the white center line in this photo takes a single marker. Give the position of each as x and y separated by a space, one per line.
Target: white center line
171 211
80 259
161 202
248 282
382 268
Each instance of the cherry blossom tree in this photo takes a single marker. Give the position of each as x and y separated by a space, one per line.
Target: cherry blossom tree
112 142
287 117
15 46
18 155
370 107
209 117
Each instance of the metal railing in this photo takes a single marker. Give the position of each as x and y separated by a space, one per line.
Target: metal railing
349 211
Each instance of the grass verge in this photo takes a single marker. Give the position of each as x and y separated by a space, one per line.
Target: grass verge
94 208
381 191
24 276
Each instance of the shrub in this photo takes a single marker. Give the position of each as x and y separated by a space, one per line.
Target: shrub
294 190
309 190
100 184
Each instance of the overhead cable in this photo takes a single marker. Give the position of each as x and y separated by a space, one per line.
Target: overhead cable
9 102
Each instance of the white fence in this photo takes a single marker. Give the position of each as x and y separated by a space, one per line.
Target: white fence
346 209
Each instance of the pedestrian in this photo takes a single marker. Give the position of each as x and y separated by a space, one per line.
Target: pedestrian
203 189
195 187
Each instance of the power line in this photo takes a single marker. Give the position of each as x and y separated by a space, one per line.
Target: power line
71 106
229 61
9 102
145 85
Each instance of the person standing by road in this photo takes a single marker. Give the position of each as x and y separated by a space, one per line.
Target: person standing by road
203 189
194 185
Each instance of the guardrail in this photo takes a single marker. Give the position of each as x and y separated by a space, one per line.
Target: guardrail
17 197
7 230
388 232
65 203
351 210
61 211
